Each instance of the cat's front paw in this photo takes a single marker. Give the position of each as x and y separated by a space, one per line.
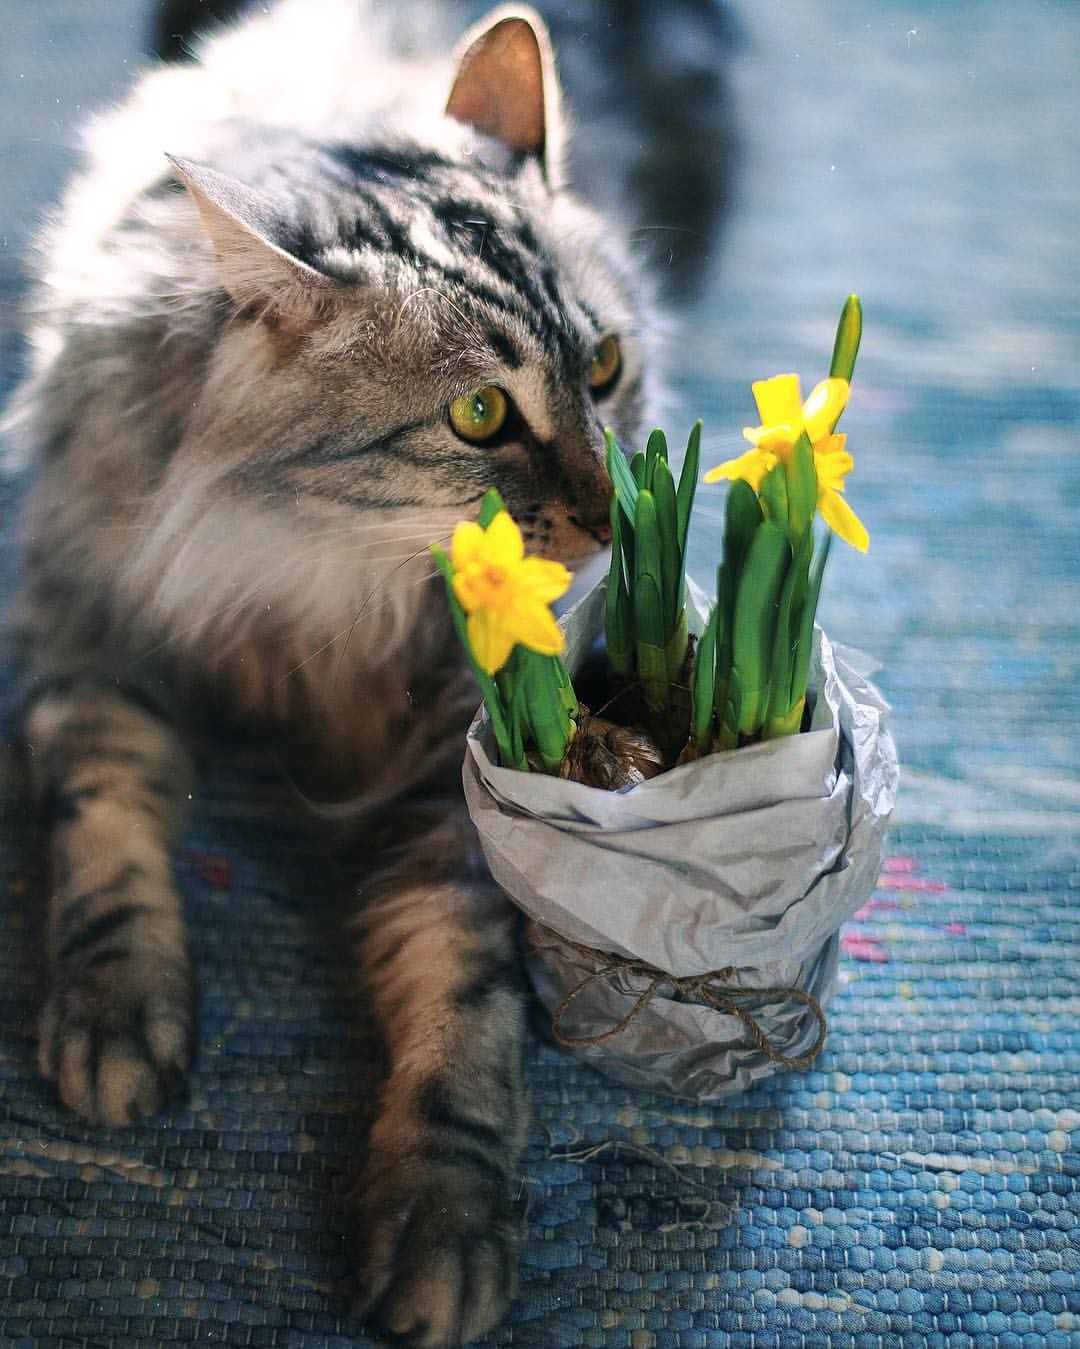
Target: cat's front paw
440 1237
117 1051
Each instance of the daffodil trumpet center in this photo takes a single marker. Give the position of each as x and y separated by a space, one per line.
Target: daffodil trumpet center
485 586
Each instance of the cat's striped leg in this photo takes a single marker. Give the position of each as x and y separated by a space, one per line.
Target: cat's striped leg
439 1200
118 1030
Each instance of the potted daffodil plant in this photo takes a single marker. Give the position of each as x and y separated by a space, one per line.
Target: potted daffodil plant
685 794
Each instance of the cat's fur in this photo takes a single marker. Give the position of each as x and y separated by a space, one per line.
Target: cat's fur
237 414
648 84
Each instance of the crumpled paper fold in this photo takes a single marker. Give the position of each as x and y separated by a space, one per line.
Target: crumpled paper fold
749 859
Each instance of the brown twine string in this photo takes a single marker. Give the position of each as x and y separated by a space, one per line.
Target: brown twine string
711 988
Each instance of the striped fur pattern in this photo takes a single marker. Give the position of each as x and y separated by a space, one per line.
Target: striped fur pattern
439 1197
118 1030
238 422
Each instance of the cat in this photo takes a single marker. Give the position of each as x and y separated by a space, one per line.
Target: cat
648 85
238 412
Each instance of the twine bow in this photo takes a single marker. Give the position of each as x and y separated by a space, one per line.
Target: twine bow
711 988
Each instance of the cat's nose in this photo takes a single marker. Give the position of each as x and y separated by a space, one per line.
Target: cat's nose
602 532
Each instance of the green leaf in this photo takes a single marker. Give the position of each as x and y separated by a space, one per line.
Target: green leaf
650 657
688 481
566 688
618 616
755 620
621 478
703 685
726 586
652 673
637 469
675 651
491 505
741 518
667 538
801 669
848 336
729 720
788 724
549 724
801 488
511 686
648 572
655 452
788 624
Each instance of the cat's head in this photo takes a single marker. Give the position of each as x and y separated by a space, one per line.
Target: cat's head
417 315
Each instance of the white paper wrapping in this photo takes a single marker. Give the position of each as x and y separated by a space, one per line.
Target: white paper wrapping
749 859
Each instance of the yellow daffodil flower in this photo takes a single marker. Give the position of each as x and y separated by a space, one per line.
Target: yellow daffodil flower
504 593
784 417
833 464
751 467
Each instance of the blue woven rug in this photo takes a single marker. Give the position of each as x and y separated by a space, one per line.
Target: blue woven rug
916 1186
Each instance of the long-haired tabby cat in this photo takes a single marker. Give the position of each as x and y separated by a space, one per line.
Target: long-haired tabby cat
244 411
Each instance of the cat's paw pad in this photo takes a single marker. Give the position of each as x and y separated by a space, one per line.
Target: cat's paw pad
116 1054
441 1253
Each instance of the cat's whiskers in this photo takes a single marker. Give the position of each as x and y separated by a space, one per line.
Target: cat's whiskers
668 229
350 628
316 535
256 593
409 529
386 582
205 621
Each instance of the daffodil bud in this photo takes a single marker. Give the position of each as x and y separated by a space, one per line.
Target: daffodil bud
848 335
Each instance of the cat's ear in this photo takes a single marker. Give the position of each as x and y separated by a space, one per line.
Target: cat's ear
506 86
257 272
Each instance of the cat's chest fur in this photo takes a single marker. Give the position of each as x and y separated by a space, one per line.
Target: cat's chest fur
350 716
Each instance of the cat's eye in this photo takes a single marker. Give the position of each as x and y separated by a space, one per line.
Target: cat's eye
479 415
606 364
